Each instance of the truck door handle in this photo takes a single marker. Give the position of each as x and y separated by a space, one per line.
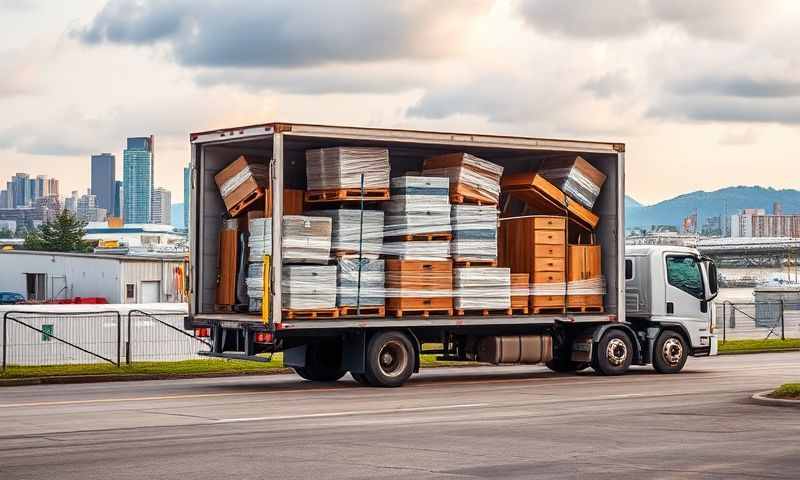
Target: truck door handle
703 306
670 307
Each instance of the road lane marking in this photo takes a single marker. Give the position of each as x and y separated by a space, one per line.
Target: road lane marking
351 413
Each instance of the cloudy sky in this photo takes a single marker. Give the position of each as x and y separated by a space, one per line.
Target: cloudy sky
705 94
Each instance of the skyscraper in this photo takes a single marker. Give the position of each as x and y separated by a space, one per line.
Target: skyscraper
21 186
103 178
137 179
187 194
117 199
52 187
162 206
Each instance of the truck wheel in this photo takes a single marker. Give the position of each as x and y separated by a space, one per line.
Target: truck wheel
390 359
614 353
323 362
670 352
565 365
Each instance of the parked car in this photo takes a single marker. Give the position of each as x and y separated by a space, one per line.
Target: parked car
11 298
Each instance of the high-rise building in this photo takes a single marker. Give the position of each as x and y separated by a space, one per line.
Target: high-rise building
187 194
755 222
137 179
52 187
103 180
162 206
117 199
21 186
87 209
71 202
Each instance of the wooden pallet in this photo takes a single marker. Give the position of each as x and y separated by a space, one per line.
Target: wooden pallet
317 313
459 199
251 198
347 195
425 237
460 263
519 310
484 312
366 311
399 313
546 310
585 309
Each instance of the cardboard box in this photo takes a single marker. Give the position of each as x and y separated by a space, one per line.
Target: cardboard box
242 183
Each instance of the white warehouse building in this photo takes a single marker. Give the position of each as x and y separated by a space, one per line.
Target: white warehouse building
45 276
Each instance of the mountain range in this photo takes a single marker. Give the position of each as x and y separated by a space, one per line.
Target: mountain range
673 210
727 200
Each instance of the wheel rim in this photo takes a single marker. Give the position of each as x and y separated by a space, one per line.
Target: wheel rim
616 352
392 358
672 351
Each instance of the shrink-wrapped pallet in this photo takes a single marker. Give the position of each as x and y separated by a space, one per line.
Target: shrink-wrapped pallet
306 239
372 275
474 232
418 250
255 285
308 287
576 177
242 182
472 179
418 205
348 226
478 288
339 168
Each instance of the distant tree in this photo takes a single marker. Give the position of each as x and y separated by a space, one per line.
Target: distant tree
63 234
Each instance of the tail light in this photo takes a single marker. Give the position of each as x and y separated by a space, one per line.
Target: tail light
263 337
204 332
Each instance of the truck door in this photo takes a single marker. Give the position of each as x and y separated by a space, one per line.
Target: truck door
685 293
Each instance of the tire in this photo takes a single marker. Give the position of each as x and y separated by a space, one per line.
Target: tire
562 365
670 353
323 362
614 353
390 359
360 378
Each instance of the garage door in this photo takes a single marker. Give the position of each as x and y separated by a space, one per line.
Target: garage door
151 292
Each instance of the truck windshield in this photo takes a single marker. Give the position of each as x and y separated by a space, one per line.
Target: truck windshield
683 272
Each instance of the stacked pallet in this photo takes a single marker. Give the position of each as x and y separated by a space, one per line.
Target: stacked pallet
360 287
418 219
472 179
419 287
355 231
536 245
576 177
309 291
482 289
335 174
474 234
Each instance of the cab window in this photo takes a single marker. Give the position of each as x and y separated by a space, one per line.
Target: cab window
683 272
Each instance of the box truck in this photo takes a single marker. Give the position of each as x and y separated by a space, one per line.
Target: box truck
655 307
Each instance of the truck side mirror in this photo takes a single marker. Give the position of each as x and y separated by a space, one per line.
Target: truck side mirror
713 287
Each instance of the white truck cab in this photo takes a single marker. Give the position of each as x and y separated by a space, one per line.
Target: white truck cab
668 290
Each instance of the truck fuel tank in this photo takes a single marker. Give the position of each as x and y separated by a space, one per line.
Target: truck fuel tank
525 349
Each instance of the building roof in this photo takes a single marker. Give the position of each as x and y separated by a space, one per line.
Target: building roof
152 257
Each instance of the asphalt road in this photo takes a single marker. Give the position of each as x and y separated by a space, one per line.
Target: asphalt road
504 422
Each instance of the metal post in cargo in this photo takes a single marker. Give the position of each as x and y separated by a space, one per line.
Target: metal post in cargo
276 181
620 234
360 246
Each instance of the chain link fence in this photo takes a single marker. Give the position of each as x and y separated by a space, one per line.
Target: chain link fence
757 320
40 338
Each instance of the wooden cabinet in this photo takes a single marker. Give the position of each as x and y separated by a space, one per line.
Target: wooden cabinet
419 287
536 245
584 265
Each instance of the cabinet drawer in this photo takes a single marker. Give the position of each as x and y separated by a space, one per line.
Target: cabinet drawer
547 301
544 250
548 277
549 223
545 264
419 266
549 237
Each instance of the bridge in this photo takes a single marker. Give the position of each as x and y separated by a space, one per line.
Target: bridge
751 251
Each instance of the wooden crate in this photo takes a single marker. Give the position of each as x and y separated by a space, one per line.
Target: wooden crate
466 263
483 312
246 192
400 306
464 194
519 281
378 311
584 303
310 314
419 274
347 195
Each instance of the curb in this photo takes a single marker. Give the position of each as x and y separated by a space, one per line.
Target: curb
133 377
766 350
761 398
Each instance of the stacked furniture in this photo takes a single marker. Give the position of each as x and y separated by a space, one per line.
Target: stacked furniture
355 231
419 287
309 291
483 289
360 287
474 234
585 281
520 291
472 179
334 174
417 223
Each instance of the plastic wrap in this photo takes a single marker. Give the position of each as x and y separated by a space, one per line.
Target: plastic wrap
548 289
305 239
346 230
306 287
237 180
418 250
465 170
418 205
482 288
371 292
341 167
591 286
576 177
474 232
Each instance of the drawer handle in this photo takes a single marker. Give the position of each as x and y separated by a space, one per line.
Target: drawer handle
427 267
427 301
